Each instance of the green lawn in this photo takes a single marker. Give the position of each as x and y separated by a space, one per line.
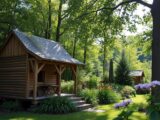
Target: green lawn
109 114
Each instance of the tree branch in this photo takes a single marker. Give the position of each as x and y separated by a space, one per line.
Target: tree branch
120 4
144 3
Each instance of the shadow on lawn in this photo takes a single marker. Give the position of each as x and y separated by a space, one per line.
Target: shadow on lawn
71 116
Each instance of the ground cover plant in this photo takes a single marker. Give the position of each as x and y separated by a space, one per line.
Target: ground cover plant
55 105
109 113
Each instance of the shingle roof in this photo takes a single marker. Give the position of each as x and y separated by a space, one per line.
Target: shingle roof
136 73
44 48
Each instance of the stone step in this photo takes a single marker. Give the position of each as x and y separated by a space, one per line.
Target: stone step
84 106
79 102
75 98
68 95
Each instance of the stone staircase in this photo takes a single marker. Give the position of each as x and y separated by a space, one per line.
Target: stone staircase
79 102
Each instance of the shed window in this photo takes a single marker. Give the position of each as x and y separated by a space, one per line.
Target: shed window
41 76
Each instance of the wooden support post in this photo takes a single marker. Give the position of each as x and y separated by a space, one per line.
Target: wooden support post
35 80
74 71
60 70
59 79
59 82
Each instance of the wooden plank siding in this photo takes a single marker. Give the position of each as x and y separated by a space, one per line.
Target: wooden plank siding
50 74
13 76
51 77
13 48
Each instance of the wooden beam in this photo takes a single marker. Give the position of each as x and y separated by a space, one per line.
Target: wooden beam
35 80
74 70
28 75
41 67
59 82
63 69
58 70
32 65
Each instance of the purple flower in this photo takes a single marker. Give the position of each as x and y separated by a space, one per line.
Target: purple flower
122 104
147 86
143 86
155 82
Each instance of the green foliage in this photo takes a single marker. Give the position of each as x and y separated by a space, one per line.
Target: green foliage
124 115
153 111
67 86
55 105
89 95
82 77
122 71
93 82
128 91
108 96
11 105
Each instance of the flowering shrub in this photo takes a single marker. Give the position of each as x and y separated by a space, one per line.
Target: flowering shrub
127 91
148 85
124 103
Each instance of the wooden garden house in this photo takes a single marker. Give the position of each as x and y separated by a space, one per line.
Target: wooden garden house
137 76
31 67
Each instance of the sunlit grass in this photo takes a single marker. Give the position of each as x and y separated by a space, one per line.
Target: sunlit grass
109 113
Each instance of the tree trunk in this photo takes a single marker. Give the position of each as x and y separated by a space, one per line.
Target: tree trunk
85 52
49 19
104 63
74 46
155 11
59 22
48 26
111 76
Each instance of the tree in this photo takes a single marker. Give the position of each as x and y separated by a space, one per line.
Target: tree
155 10
122 71
111 76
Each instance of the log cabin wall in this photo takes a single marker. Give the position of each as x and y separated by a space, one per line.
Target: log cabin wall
13 76
13 69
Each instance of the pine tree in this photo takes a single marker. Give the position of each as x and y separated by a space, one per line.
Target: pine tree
122 71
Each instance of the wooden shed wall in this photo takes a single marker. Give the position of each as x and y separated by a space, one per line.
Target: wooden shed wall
13 48
50 76
13 76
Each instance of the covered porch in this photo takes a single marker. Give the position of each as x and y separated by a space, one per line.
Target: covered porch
44 78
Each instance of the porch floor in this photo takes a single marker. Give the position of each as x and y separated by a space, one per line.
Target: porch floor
44 97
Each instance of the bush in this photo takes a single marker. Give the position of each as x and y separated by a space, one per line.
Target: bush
89 95
55 105
108 96
128 91
93 82
11 105
67 86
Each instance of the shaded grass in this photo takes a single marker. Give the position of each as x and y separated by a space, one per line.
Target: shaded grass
109 114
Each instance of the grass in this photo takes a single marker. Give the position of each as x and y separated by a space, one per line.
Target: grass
109 114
